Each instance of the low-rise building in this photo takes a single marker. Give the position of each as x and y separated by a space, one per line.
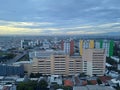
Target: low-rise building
55 79
7 70
93 87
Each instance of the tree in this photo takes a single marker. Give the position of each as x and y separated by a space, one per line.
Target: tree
110 61
89 83
38 75
43 84
35 75
32 75
67 88
30 85
99 81
117 87
82 75
56 86
9 56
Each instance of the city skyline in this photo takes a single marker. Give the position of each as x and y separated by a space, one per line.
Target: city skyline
58 17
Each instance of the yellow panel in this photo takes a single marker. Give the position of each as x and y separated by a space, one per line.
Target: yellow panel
81 47
91 43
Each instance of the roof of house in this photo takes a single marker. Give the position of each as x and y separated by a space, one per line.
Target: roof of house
84 83
93 87
68 83
93 82
104 79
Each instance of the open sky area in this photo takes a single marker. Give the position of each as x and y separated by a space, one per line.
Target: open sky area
59 17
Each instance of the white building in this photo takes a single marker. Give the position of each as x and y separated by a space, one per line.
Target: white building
67 47
56 79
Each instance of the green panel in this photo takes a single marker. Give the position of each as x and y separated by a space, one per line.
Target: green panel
101 43
111 48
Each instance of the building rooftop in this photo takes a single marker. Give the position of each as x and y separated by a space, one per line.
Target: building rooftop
56 78
68 83
20 80
1 77
45 53
104 79
93 87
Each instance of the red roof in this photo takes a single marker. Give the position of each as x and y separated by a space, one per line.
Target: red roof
94 82
105 78
68 83
84 83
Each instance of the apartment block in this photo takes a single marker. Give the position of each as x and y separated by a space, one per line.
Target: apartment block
57 62
85 44
94 61
68 47
75 65
107 45
97 44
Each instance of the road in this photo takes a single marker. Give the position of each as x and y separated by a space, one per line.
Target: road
15 59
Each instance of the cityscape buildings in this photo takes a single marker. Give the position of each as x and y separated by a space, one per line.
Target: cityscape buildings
103 44
79 61
50 62
59 44
86 44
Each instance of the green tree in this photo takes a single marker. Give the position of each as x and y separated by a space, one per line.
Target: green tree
56 86
10 56
32 75
99 81
82 75
89 83
43 84
67 88
30 85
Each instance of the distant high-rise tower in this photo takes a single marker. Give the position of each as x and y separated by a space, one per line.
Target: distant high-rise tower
91 43
22 43
107 45
68 47
81 47
62 45
71 47
85 44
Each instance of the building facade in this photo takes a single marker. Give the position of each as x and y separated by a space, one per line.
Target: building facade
94 61
97 44
7 70
85 44
91 62
68 47
58 64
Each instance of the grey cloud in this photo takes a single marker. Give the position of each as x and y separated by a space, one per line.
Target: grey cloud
63 13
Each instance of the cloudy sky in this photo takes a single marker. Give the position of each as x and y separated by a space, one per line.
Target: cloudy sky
58 17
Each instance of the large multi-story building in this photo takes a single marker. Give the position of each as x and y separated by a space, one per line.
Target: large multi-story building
59 63
97 44
94 61
68 47
85 44
107 45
